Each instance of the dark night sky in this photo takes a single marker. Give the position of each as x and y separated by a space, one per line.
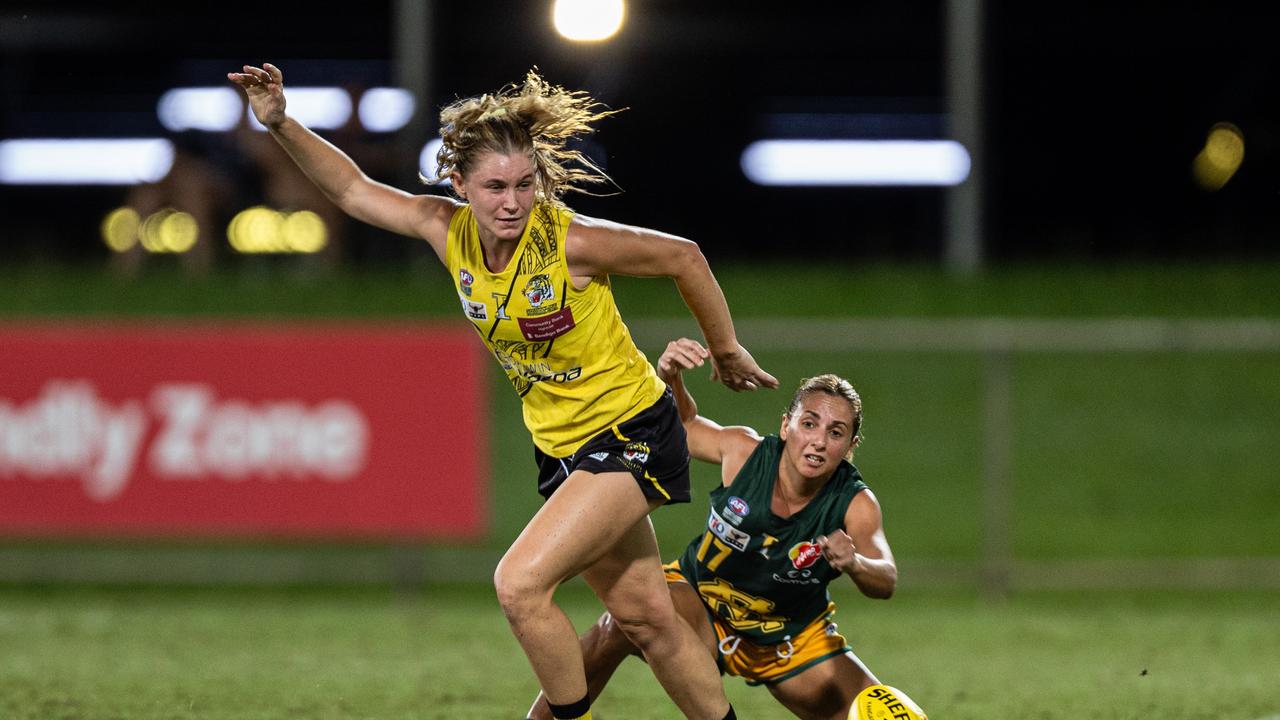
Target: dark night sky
1094 112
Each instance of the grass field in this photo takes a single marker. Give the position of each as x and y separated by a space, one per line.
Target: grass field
1121 457
422 289
445 652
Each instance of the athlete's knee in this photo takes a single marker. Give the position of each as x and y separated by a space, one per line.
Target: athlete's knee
519 591
646 624
610 638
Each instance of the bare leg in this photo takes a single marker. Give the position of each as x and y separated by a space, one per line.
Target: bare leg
567 535
826 690
628 579
605 646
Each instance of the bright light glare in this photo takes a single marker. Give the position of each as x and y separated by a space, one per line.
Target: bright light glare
856 162
319 108
84 162
385 109
213 109
588 20
427 159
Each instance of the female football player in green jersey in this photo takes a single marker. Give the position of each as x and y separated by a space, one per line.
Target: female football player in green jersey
790 516
533 278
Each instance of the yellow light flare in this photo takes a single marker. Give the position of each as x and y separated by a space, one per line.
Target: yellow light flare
120 229
304 232
179 232
1220 158
169 231
261 230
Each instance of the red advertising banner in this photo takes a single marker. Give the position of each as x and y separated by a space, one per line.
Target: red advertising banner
230 431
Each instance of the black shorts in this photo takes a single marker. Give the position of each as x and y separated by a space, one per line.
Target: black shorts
651 446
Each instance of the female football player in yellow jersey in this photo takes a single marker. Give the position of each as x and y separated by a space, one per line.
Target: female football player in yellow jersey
533 278
790 516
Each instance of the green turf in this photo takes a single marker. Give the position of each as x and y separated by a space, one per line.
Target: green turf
422 289
101 654
1147 455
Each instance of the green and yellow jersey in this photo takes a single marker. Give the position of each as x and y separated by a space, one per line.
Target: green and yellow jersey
566 351
762 575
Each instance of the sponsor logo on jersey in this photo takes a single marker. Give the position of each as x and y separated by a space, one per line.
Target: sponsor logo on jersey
764 546
797 577
732 536
541 372
538 290
601 456
465 280
474 310
804 554
548 327
737 510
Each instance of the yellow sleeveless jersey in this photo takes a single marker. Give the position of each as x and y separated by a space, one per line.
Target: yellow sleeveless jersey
566 351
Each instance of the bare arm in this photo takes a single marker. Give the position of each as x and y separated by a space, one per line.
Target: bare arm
337 176
728 447
861 550
596 247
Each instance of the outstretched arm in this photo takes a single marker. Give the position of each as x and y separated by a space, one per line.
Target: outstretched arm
728 447
599 247
861 550
337 176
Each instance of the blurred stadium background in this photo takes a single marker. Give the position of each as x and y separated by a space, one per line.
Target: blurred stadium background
1065 325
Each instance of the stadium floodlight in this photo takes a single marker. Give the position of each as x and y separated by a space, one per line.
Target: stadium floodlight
84 161
588 20
385 109
856 162
319 108
213 109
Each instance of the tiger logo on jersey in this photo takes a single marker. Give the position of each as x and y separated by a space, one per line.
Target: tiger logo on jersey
538 290
636 453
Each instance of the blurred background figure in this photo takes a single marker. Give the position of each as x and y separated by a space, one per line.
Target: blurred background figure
280 185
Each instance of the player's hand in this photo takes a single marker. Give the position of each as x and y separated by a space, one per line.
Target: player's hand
264 87
680 355
739 371
839 550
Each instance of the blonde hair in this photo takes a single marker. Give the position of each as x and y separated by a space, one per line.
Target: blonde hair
835 386
536 118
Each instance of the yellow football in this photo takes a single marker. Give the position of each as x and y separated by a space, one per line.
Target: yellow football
881 702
